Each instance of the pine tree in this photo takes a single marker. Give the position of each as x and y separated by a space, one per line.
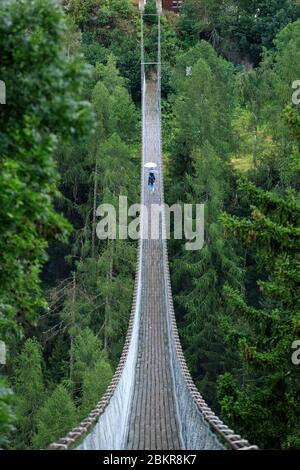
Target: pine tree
87 351
236 28
29 392
202 110
95 383
115 283
56 417
266 331
7 417
201 275
199 174
28 136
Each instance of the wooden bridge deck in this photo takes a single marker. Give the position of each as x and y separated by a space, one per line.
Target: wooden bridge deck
153 422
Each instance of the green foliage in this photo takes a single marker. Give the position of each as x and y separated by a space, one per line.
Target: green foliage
83 10
239 29
41 62
265 345
94 307
29 391
7 417
150 9
237 328
270 132
55 418
115 284
200 173
218 314
200 277
87 352
110 27
210 87
109 148
267 224
47 105
101 12
283 114
92 372
95 383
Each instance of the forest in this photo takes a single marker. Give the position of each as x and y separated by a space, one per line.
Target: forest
70 139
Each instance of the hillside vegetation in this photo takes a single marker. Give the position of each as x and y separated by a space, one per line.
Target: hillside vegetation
70 140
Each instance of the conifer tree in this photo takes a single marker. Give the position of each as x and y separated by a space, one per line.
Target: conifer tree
29 392
95 383
56 417
265 343
203 108
267 314
7 417
48 105
200 174
201 276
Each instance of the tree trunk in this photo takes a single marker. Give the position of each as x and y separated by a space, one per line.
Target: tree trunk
75 189
255 139
94 210
72 335
108 302
256 116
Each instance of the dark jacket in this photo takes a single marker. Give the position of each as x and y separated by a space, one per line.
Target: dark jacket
151 179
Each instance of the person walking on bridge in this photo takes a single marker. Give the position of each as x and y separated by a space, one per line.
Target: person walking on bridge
151 181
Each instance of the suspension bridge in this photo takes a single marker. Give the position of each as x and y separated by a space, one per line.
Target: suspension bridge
152 402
